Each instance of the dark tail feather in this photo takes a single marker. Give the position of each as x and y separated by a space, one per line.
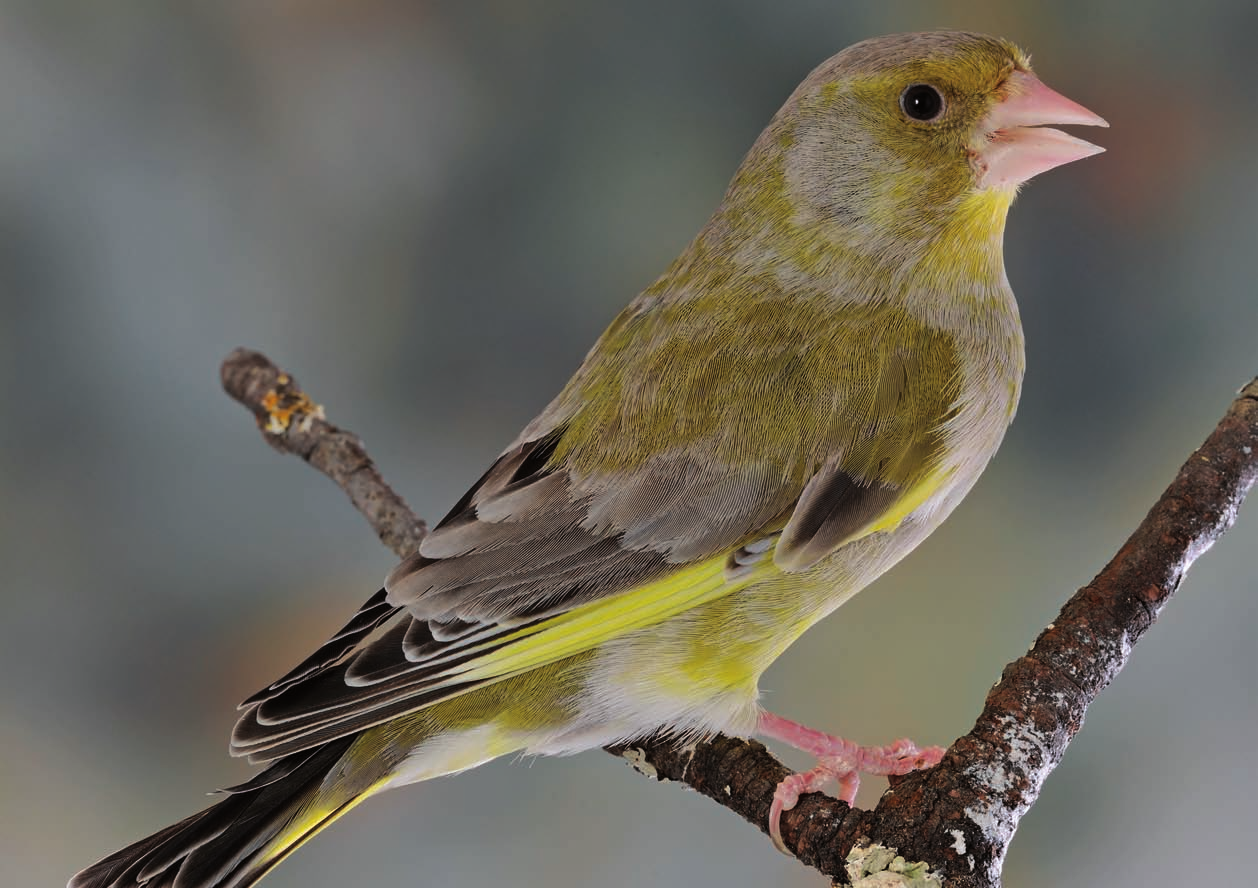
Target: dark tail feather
237 841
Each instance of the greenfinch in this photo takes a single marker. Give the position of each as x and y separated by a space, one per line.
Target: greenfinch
802 396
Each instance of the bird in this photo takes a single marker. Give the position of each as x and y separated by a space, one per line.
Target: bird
801 397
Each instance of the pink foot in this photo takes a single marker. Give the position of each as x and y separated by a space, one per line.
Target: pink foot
837 759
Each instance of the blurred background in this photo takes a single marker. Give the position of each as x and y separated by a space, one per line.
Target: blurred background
427 211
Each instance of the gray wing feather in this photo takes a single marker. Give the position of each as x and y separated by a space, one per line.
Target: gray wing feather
833 507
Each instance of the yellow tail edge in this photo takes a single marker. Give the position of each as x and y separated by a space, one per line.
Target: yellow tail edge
237 841
291 839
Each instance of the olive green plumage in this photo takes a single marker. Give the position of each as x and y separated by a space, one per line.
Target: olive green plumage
797 402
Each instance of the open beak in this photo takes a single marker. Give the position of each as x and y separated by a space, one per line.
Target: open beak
1013 143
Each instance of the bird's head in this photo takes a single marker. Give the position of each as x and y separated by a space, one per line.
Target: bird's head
896 136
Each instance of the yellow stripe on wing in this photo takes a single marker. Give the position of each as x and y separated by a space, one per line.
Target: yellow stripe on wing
589 625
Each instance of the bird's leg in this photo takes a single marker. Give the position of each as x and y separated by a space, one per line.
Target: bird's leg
837 759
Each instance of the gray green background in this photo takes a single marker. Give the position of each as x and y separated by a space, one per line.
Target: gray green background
427 211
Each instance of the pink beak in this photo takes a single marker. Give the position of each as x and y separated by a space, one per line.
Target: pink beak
1014 144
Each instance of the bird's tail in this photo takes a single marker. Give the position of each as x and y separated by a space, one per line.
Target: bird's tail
239 840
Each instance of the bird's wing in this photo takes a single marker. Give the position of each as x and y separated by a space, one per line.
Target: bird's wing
515 577
553 552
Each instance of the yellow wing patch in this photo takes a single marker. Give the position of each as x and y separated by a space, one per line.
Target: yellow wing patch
592 624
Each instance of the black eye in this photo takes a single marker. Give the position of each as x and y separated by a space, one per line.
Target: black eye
921 101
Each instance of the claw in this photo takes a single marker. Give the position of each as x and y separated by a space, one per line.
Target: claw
786 796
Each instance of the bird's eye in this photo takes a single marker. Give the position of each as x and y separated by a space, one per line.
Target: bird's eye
921 101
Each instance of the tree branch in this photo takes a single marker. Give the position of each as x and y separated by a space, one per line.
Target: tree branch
958 818
292 423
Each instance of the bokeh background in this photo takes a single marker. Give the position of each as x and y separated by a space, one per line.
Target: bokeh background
427 211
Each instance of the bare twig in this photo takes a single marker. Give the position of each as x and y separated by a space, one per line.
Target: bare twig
292 423
958 817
